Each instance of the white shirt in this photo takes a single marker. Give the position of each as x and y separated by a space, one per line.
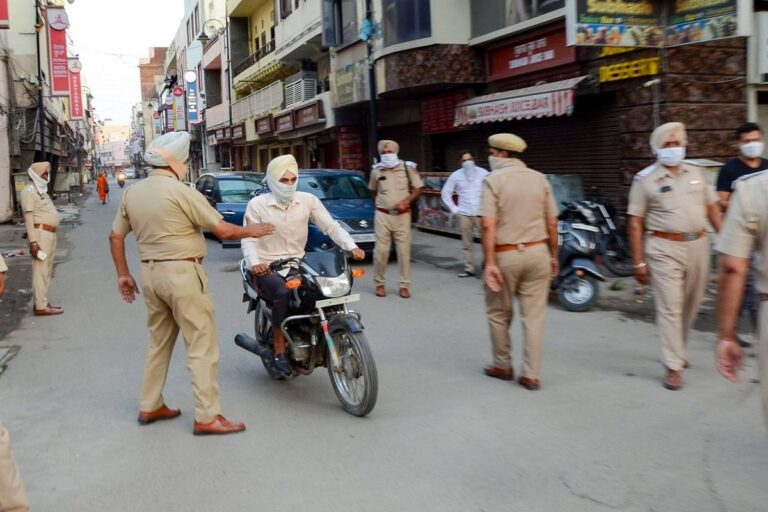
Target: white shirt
291 228
468 187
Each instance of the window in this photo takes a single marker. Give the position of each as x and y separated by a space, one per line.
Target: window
263 39
406 21
197 20
491 15
285 8
339 22
335 187
238 191
348 21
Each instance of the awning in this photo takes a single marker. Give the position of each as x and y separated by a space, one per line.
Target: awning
546 100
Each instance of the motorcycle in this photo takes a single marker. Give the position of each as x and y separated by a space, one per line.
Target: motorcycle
321 331
577 282
121 179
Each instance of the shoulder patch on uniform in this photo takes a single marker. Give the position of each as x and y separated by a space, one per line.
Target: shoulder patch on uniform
746 177
640 176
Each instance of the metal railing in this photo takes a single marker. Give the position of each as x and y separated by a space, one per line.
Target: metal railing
255 57
264 100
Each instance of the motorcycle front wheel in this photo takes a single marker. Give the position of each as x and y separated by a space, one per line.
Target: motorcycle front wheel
578 293
356 382
617 259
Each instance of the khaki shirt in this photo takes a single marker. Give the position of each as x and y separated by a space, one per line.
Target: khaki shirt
391 185
521 200
291 228
166 216
40 208
671 203
746 225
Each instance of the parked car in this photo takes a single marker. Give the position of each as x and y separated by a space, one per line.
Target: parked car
130 173
229 192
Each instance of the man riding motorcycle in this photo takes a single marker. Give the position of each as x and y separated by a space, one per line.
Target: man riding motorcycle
290 212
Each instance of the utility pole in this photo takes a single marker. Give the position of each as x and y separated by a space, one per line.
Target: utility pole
40 155
373 138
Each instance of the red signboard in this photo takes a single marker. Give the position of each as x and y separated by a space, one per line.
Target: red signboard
351 148
284 122
523 55
57 51
265 125
238 132
309 115
4 15
438 112
156 115
75 97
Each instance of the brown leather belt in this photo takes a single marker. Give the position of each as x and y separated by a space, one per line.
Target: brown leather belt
517 247
194 260
390 212
680 237
763 297
46 227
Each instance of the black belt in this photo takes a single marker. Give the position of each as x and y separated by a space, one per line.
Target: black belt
195 260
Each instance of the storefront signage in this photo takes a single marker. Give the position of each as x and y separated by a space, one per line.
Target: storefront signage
641 23
265 125
57 51
76 111
284 122
4 15
180 110
309 115
525 55
351 149
238 132
632 69
350 84
193 114
219 134
212 140
437 112
158 123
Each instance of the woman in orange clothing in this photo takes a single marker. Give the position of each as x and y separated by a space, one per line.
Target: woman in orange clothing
102 187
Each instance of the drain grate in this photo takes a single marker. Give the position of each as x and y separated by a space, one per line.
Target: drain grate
7 352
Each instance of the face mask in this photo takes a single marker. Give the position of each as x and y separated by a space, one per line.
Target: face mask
390 160
495 162
753 149
283 193
468 166
671 157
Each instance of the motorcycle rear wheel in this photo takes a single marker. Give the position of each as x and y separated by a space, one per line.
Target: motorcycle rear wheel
617 258
578 293
356 384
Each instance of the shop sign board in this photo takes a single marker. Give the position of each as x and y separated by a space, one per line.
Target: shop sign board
265 125
284 122
309 114
351 149
529 54
631 69
238 132
57 50
4 15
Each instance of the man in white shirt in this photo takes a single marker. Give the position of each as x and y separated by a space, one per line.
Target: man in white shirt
467 183
290 212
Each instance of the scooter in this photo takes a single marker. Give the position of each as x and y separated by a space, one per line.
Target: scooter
121 179
577 282
322 330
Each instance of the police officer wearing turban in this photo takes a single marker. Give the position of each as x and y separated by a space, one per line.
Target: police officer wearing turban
167 217
669 204
42 221
290 211
519 220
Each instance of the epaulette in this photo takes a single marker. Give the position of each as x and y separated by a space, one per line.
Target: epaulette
640 176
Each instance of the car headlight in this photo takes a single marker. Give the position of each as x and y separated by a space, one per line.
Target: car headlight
333 287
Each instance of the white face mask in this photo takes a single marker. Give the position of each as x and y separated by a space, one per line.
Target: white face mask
671 157
283 193
468 166
494 162
389 160
753 149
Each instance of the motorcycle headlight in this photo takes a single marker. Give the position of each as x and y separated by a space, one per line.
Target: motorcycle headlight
333 287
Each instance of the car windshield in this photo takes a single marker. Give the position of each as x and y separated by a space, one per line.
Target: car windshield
238 191
335 187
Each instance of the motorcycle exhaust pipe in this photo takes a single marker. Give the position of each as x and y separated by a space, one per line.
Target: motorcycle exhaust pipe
242 340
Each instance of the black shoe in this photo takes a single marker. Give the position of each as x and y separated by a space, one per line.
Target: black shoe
282 364
467 273
743 343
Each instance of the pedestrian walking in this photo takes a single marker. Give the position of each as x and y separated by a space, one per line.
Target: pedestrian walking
13 498
745 231
519 220
395 185
669 204
166 217
751 145
41 221
102 187
467 183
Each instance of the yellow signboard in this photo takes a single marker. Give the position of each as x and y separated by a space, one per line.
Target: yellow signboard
632 69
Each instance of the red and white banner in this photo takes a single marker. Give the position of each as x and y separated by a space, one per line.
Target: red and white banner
4 15
76 110
57 51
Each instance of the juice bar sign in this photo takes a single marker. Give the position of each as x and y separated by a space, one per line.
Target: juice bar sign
526 55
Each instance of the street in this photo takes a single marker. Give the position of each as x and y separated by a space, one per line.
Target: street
602 432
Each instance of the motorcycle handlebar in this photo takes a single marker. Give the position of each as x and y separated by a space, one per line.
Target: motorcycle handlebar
277 265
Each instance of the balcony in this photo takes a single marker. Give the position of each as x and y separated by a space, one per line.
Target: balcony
258 103
255 57
216 116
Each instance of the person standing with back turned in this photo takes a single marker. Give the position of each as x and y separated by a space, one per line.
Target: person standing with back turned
167 216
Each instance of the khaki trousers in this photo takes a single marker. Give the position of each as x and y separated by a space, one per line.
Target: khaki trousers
43 270
466 225
527 277
388 228
762 355
679 273
12 495
176 295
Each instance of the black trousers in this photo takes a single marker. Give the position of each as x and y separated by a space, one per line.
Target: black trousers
272 288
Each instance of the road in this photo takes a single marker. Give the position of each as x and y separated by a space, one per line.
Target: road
601 434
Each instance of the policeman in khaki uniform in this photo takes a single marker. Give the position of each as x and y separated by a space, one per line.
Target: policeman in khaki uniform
669 204
393 192
12 495
745 231
519 220
42 221
167 216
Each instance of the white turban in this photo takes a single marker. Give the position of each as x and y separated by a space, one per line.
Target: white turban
663 133
275 170
170 150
